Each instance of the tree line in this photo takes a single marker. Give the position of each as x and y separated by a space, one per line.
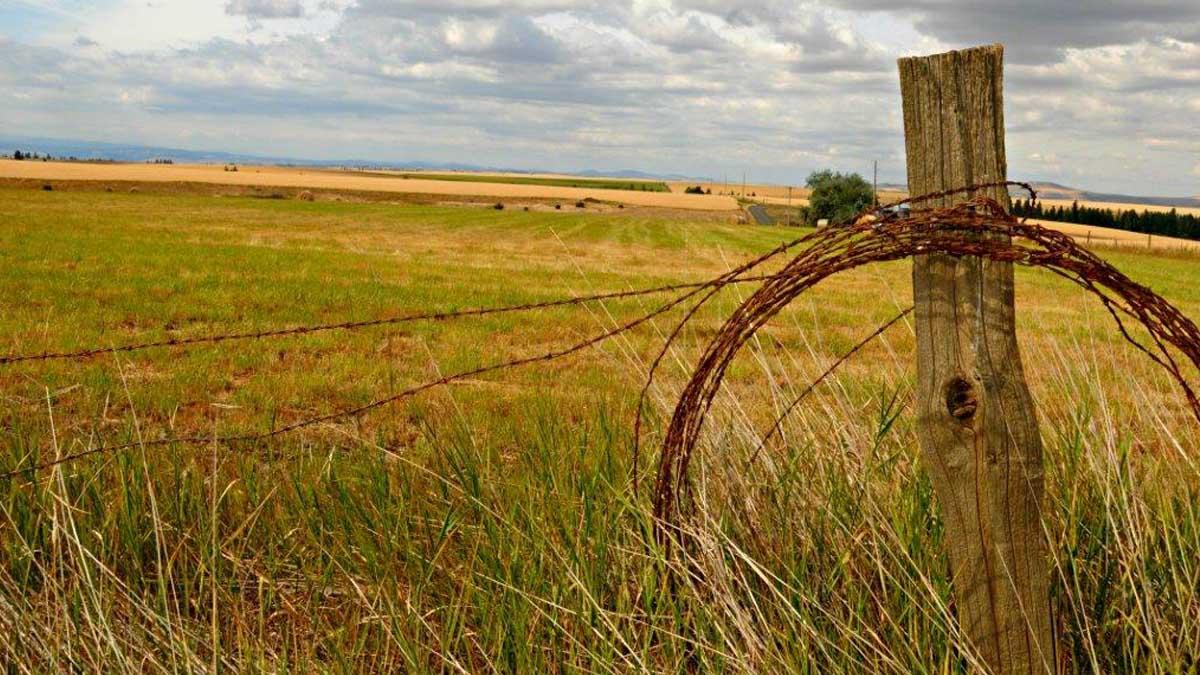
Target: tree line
1167 223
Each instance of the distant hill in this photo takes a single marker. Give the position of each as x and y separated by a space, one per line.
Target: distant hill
1056 191
631 173
94 150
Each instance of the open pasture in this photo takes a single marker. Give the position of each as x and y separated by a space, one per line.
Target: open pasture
492 524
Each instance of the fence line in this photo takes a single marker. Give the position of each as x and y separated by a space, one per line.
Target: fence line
354 325
441 316
732 277
961 231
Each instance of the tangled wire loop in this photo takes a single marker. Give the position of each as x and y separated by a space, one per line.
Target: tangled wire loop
977 227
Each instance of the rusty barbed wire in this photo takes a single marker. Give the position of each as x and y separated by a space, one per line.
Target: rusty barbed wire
353 325
979 227
888 212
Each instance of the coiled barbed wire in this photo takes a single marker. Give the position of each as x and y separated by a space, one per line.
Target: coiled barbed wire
955 231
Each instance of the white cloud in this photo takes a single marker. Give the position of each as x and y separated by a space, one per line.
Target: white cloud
697 86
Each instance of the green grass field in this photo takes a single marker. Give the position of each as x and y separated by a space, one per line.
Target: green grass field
590 183
491 525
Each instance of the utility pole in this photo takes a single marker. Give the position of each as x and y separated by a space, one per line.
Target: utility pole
875 185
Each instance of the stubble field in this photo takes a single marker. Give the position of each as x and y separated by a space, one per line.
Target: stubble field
491 525
446 185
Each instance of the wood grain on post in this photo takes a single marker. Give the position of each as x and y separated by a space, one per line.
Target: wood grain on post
976 423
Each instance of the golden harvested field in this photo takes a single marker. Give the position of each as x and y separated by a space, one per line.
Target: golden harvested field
511 174
294 177
796 200
349 180
1122 206
1106 236
735 187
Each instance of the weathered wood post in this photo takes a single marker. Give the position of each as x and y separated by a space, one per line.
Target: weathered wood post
976 423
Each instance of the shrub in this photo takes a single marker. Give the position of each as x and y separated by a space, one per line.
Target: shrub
558 207
305 196
694 190
48 187
499 206
838 197
580 205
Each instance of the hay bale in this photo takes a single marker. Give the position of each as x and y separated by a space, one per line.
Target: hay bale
305 196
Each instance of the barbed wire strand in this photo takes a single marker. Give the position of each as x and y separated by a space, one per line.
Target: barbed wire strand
354 325
731 277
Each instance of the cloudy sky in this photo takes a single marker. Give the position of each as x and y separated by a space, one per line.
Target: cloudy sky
1101 94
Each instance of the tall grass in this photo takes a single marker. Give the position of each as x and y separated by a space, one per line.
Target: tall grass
525 551
492 527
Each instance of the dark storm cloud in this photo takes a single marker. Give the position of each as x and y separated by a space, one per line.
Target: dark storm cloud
1037 30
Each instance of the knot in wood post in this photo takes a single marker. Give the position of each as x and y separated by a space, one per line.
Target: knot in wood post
961 400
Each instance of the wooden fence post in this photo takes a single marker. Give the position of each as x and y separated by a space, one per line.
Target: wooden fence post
976 423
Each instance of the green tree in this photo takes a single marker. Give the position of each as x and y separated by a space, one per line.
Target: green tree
836 196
